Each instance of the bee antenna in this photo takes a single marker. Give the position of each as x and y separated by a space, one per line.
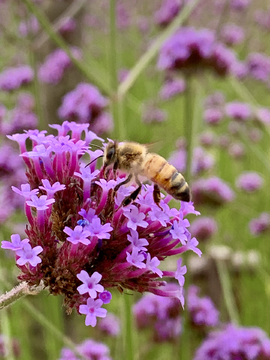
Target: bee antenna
97 146
93 160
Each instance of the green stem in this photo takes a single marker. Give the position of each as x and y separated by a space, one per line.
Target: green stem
148 56
116 104
227 292
59 41
6 331
129 328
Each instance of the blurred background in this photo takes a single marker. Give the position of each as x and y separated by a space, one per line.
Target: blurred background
192 78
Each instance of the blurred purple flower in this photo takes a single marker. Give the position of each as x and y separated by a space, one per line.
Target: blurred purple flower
213 191
261 224
67 26
171 88
152 114
238 111
203 228
207 138
168 10
239 5
55 65
110 325
14 77
90 350
258 65
85 104
249 181
232 34
237 150
189 48
213 116
263 116
203 312
232 342
217 99
29 27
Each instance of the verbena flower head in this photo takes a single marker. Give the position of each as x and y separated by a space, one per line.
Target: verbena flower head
235 343
258 65
85 104
55 65
81 241
191 49
89 349
13 78
213 191
232 34
161 315
238 111
202 310
171 88
168 10
110 325
260 225
203 228
249 181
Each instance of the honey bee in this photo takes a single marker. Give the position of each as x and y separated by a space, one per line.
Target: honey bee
134 159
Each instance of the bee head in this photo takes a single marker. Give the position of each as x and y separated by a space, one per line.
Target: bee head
110 154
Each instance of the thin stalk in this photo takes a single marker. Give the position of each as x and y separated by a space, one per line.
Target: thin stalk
227 291
148 56
59 41
6 331
192 117
129 329
116 104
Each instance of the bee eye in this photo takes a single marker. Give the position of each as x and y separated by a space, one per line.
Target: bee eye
110 154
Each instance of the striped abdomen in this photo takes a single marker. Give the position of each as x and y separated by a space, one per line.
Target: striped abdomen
158 170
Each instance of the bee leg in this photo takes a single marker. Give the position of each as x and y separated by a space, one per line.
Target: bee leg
134 194
156 195
123 183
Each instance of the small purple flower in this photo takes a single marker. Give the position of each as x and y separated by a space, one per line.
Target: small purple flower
258 65
213 116
15 244
135 218
249 181
89 350
92 310
152 264
95 228
136 258
263 116
90 284
40 203
51 189
239 5
27 254
78 235
178 231
203 228
25 191
180 272
29 27
136 242
152 114
105 296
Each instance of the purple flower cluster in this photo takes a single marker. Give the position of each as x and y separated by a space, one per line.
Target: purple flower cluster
238 111
89 349
235 343
239 5
213 191
202 311
162 315
249 181
55 65
67 26
204 228
29 27
85 104
152 114
258 65
260 225
14 77
80 240
190 49
168 10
